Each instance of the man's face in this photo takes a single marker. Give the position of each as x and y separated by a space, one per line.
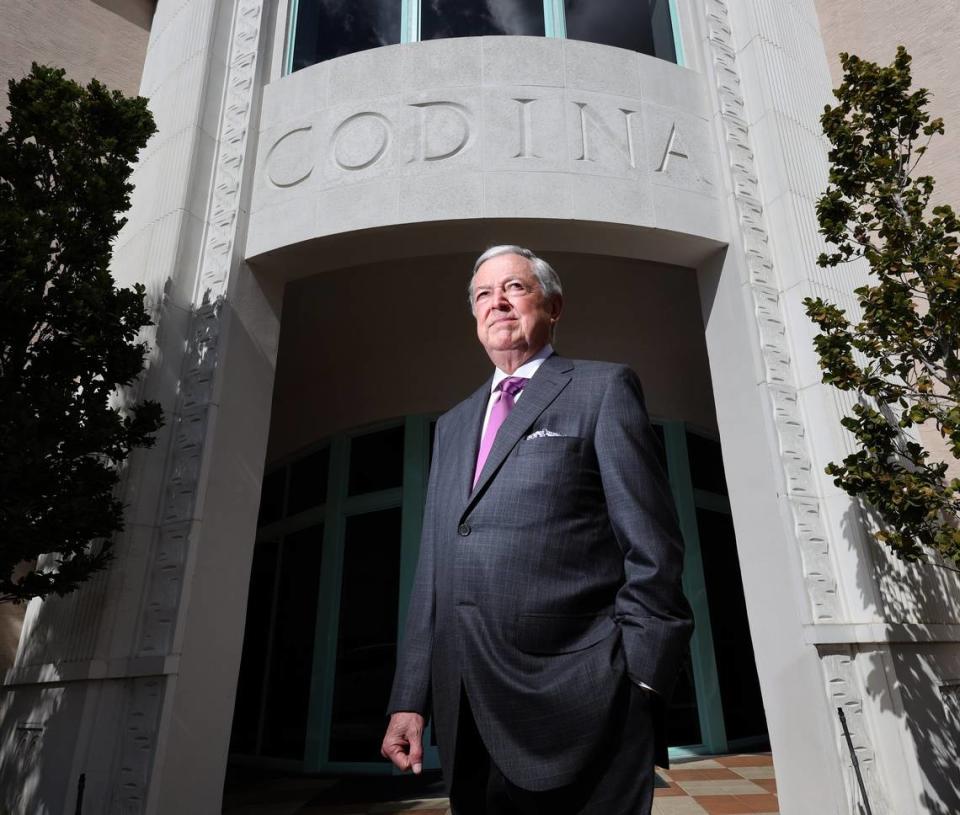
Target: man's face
511 310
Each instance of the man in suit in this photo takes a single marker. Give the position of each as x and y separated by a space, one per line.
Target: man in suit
547 621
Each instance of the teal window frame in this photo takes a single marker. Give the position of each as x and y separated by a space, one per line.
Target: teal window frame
333 513
293 7
688 500
706 681
554 23
409 498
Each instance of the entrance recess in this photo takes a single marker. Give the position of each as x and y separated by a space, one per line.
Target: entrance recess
337 543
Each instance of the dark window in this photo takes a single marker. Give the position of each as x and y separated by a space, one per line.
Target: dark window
638 25
706 464
658 432
661 448
256 638
332 28
367 635
308 481
325 29
376 461
271 497
291 657
683 718
441 19
736 669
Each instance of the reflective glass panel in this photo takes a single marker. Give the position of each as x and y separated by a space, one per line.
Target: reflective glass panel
271 497
367 635
743 714
256 639
308 481
661 447
706 464
291 653
331 28
474 18
639 25
683 718
658 432
376 461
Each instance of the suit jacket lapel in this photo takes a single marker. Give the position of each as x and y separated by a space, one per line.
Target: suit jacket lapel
545 385
467 441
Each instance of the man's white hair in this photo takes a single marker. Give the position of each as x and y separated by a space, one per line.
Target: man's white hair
548 279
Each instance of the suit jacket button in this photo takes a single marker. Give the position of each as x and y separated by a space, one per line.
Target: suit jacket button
463 530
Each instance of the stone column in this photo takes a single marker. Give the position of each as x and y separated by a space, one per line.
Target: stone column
827 608
131 681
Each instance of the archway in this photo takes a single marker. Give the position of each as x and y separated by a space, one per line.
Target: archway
369 354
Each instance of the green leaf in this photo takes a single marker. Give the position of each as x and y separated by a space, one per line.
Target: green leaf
903 350
67 334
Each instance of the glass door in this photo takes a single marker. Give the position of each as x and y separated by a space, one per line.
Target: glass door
337 546
719 687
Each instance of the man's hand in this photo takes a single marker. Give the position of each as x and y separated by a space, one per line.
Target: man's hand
403 741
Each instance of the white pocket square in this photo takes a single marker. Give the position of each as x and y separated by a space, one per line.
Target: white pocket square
543 433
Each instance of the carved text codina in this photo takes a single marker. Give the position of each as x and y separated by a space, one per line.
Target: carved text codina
440 130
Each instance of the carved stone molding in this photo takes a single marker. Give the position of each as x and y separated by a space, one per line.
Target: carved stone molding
818 572
182 483
837 663
950 693
532 132
404 135
202 353
144 697
844 688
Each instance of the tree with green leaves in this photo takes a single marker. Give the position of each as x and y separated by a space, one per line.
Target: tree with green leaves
900 357
68 335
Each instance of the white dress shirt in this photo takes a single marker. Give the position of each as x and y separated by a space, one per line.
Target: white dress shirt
528 369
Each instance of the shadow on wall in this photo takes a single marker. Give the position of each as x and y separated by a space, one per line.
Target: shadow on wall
22 768
917 682
114 721
43 719
32 721
40 722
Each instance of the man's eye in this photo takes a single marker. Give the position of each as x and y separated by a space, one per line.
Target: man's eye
515 285
481 294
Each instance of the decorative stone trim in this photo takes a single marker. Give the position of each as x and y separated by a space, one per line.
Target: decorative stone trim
202 355
843 685
144 696
818 571
62 673
181 502
881 633
950 694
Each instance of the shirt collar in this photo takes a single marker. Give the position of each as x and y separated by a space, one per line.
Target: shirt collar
527 370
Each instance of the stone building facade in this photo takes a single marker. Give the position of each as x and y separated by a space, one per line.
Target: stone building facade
302 231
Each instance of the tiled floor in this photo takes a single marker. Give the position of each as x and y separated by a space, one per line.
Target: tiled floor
722 785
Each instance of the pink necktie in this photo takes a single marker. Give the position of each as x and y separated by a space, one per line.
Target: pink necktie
509 388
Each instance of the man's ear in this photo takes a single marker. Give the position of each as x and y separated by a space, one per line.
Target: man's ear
555 307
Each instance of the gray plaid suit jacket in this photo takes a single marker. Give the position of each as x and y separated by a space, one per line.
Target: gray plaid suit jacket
553 582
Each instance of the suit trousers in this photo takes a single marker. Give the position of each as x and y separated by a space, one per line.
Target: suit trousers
619 781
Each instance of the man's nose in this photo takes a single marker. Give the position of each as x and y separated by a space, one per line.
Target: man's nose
500 299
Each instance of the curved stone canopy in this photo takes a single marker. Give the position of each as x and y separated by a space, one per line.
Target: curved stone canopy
484 129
